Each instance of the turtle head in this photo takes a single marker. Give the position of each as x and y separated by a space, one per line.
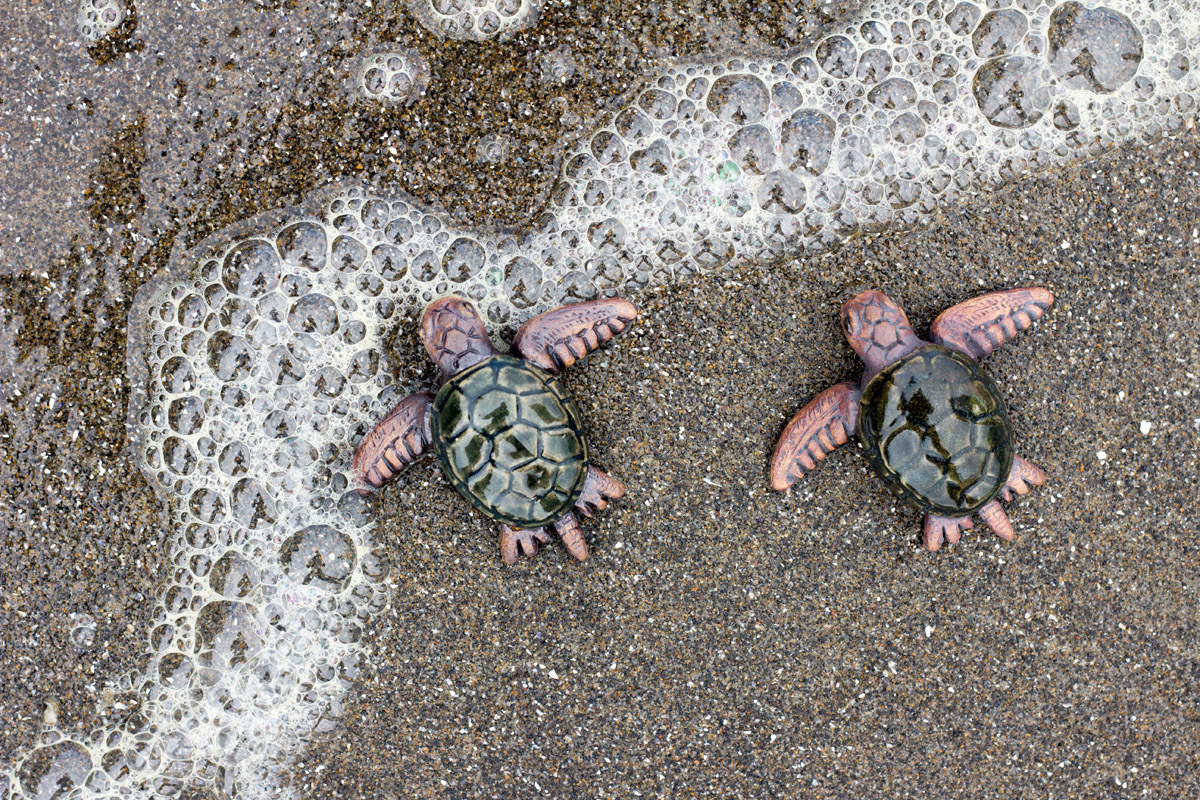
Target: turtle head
454 335
878 330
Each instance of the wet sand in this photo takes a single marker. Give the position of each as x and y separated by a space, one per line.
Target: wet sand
722 640
199 119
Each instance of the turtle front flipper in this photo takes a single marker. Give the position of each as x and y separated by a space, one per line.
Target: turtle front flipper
950 528
557 339
978 326
599 489
400 439
515 543
815 432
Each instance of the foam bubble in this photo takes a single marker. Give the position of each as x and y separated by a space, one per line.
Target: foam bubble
391 75
559 66
480 20
494 148
54 770
83 630
260 360
98 19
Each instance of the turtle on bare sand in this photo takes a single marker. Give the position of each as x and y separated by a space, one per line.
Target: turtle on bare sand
932 424
505 431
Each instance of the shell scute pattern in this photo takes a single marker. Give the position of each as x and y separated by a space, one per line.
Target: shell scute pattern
510 439
935 428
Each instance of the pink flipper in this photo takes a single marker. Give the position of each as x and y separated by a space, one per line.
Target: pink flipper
993 514
557 339
815 432
978 326
572 536
950 527
400 439
515 543
598 490
1023 477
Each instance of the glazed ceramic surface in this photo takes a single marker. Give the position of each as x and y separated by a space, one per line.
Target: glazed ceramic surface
932 424
506 434
934 427
511 441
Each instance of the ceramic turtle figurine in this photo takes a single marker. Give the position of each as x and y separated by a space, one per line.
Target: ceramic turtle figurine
505 432
932 424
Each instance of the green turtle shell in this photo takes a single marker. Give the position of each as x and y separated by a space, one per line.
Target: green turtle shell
934 426
511 441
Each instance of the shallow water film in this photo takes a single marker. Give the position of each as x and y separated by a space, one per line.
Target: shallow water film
219 224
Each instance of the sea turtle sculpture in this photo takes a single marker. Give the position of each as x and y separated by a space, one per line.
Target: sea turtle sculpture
932 424
505 432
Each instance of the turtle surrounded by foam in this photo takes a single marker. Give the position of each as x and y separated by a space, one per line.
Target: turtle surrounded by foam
932 424
505 431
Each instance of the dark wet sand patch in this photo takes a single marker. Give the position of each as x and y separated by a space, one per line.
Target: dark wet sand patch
727 641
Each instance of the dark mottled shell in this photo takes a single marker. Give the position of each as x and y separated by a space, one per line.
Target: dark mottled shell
511 441
935 428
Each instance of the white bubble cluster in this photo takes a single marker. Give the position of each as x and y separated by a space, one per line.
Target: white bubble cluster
391 74
261 359
479 20
98 18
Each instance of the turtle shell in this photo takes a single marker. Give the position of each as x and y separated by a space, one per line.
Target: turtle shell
511 441
934 426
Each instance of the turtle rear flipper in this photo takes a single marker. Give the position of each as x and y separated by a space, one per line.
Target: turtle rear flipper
557 339
950 528
937 527
599 489
572 536
1021 478
815 432
400 439
978 326
515 543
